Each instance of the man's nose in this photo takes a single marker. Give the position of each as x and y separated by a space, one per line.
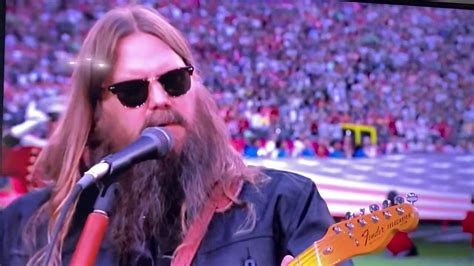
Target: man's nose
159 98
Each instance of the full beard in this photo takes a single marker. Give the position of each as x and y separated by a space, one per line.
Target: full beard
153 192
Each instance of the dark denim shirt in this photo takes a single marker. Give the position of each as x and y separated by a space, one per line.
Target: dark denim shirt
290 216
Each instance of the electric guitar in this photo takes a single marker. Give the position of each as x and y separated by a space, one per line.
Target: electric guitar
362 234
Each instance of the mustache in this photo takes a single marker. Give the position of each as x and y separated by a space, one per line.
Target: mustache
165 117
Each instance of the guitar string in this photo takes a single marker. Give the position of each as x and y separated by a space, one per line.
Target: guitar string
310 255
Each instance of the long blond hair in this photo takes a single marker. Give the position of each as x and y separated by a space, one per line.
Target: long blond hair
61 160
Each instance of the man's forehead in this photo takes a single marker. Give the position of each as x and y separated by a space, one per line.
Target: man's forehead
144 54
148 69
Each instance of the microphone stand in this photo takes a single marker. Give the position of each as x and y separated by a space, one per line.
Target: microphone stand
95 228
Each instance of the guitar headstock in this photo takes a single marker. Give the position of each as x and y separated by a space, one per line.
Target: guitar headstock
364 233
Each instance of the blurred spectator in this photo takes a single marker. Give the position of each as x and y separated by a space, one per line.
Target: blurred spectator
281 150
308 149
322 148
396 146
335 150
254 148
291 70
298 147
366 150
348 145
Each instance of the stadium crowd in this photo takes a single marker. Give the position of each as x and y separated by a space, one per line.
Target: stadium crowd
285 76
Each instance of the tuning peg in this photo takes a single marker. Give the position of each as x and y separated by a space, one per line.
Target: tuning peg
374 207
375 219
349 215
337 229
399 200
386 203
362 222
400 210
350 225
362 211
412 197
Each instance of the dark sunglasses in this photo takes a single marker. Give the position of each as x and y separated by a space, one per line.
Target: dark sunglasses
134 93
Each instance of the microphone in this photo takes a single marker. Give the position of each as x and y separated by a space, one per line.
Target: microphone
153 143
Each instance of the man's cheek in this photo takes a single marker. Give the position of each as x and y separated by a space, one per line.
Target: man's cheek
121 131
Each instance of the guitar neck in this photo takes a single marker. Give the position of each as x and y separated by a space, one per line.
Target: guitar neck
312 256
360 235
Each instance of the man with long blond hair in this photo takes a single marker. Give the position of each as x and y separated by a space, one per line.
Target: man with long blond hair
135 71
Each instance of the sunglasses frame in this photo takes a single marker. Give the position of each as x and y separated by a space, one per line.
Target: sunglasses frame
114 90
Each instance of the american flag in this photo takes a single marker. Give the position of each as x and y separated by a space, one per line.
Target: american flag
444 183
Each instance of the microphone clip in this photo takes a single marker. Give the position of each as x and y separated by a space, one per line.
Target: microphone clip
95 173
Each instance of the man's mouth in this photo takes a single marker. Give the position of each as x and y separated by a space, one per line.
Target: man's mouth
166 119
166 124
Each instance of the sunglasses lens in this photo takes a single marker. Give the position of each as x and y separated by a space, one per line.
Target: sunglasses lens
134 93
176 82
131 93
